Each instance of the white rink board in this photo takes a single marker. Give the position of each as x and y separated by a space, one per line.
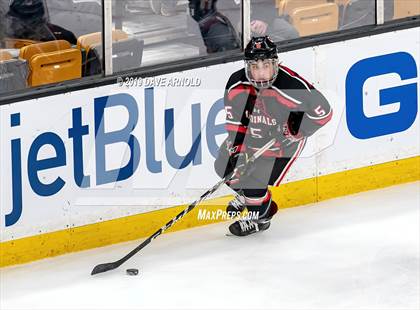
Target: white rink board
331 149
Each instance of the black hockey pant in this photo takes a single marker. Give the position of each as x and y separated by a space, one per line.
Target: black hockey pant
254 187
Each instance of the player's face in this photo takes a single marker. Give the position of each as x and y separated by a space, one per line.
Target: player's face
262 70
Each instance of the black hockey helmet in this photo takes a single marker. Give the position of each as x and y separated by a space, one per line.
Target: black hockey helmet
261 48
261 62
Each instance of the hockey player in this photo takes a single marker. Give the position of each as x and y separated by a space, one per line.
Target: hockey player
262 101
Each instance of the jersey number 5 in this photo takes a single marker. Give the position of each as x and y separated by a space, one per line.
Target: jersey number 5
320 111
229 112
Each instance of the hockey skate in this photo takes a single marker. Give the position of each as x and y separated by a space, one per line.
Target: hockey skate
245 227
236 206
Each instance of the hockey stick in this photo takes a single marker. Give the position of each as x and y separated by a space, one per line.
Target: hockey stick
110 266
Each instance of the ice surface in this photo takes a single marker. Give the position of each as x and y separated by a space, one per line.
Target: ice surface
356 252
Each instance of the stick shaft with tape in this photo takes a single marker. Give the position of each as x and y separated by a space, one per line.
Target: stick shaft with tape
113 265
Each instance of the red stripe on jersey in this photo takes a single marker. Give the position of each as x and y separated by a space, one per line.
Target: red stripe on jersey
235 128
271 153
293 73
275 94
324 120
240 89
291 161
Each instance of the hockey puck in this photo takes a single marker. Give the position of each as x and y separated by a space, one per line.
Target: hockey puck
132 272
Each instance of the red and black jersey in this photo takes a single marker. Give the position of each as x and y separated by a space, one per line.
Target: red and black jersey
254 116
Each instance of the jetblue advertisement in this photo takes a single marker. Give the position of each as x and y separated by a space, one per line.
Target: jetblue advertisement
145 144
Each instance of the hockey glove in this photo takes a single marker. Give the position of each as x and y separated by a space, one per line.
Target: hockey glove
290 138
240 162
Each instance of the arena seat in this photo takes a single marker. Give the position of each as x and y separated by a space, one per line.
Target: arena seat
315 19
286 7
406 8
55 67
87 40
126 55
44 47
92 64
52 62
126 52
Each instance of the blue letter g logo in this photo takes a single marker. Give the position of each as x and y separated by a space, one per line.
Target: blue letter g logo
398 102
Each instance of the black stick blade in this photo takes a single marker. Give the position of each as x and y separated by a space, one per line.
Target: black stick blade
104 267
